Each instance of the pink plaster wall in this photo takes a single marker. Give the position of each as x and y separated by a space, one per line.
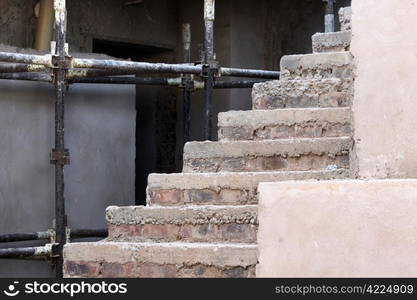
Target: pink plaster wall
384 45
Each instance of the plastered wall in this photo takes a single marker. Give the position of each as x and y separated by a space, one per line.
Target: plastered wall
384 45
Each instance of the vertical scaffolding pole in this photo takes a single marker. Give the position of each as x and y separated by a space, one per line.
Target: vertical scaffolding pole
59 155
186 37
209 16
329 23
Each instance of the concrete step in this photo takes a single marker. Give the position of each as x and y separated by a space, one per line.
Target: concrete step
159 260
221 188
332 41
302 93
345 18
210 224
317 65
284 124
270 155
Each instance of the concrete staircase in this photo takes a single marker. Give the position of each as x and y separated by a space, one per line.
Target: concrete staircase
203 222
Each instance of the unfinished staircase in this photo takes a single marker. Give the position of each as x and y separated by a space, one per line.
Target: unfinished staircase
203 222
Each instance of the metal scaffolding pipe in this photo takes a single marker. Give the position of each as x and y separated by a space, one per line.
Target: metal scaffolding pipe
167 82
60 155
209 57
22 237
42 77
329 22
237 84
24 253
131 66
186 93
73 74
250 73
125 80
33 59
45 25
16 68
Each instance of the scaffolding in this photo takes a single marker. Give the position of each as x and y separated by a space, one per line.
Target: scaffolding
62 70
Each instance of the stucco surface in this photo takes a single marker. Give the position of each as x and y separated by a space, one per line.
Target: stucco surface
338 229
384 46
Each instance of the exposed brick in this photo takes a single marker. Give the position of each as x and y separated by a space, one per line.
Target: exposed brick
302 93
111 270
233 197
306 130
273 163
167 197
236 233
201 196
81 269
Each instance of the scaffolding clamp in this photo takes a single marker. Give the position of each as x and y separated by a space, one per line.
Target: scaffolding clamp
55 250
60 157
211 67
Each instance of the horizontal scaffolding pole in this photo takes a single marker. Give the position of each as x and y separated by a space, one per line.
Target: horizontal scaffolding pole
236 84
250 73
42 77
25 253
16 68
44 60
166 82
123 80
131 66
46 235
21 237
87 73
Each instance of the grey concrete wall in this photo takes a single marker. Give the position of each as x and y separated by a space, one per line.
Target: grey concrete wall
150 23
100 130
17 22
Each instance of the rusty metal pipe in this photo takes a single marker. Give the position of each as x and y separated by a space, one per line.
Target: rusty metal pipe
44 60
45 25
16 68
130 66
27 252
41 77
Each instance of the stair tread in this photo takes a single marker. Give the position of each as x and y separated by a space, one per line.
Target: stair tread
218 254
331 41
179 215
301 92
287 116
232 180
288 147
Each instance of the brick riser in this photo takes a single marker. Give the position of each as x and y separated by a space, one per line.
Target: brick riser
307 130
220 188
205 233
153 270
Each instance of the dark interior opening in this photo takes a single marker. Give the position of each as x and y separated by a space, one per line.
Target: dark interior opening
155 115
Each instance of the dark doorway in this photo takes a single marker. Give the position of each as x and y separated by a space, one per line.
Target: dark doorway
156 115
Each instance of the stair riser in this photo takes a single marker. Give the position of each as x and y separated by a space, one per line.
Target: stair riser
324 65
259 164
302 94
306 130
206 233
164 260
220 189
75 269
345 18
203 197
332 42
